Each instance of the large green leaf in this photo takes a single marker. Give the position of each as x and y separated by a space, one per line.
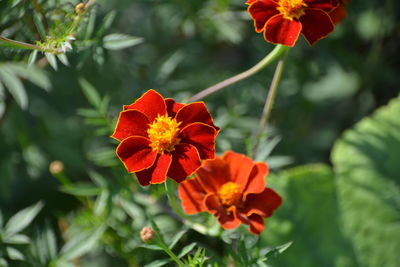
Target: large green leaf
367 164
308 217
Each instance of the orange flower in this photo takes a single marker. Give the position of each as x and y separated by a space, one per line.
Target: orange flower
232 188
160 137
282 21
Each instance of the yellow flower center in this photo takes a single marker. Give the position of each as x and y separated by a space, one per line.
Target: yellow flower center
163 132
230 194
291 8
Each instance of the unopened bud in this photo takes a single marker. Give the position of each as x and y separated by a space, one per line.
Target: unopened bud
56 167
147 234
79 8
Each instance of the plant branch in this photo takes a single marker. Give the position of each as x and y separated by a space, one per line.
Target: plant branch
269 103
274 54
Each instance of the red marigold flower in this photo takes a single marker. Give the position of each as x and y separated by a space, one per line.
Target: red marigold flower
339 13
161 138
282 21
232 188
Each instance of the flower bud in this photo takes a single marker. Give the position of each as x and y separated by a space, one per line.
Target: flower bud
79 8
147 234
56 167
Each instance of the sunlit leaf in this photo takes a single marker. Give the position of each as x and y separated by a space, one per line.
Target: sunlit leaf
366 160
15 254
185 250
81 244
158 263
22 219
117 41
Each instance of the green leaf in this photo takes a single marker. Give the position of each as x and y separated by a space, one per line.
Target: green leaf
32 57
81 244
63 58
366 161
22 219
186 249
309 217
158 263
176 238
38 20
15 254
107 21
81 189
3 263
151 247
14 86
117 41
17 239
90 92
51 58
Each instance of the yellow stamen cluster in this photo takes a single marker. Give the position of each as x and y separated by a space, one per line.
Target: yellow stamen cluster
230 194
291 8
163 132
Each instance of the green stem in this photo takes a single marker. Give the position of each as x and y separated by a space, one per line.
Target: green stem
274 54
171 254
269 102
21 45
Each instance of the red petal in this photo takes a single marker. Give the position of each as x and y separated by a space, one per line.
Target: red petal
172 107
150 103
185 161
263 204
338 14
192 196
194 112
256 224
157 173
326 5
227 220
261 12
130 123
202 136
279 30
240 167
213 174
136 154
248 2
316 25
256 182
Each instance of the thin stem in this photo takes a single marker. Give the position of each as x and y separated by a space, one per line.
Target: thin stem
172 255
21 44
269 102
274 54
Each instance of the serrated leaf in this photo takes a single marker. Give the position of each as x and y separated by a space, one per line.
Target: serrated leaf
81 189
117 41
366 161
22 219
176 238
52 60
90 92
79 245
158 263
15 254
15 87
17 239
186 250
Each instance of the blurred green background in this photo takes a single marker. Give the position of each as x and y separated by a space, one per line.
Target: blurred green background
341 208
